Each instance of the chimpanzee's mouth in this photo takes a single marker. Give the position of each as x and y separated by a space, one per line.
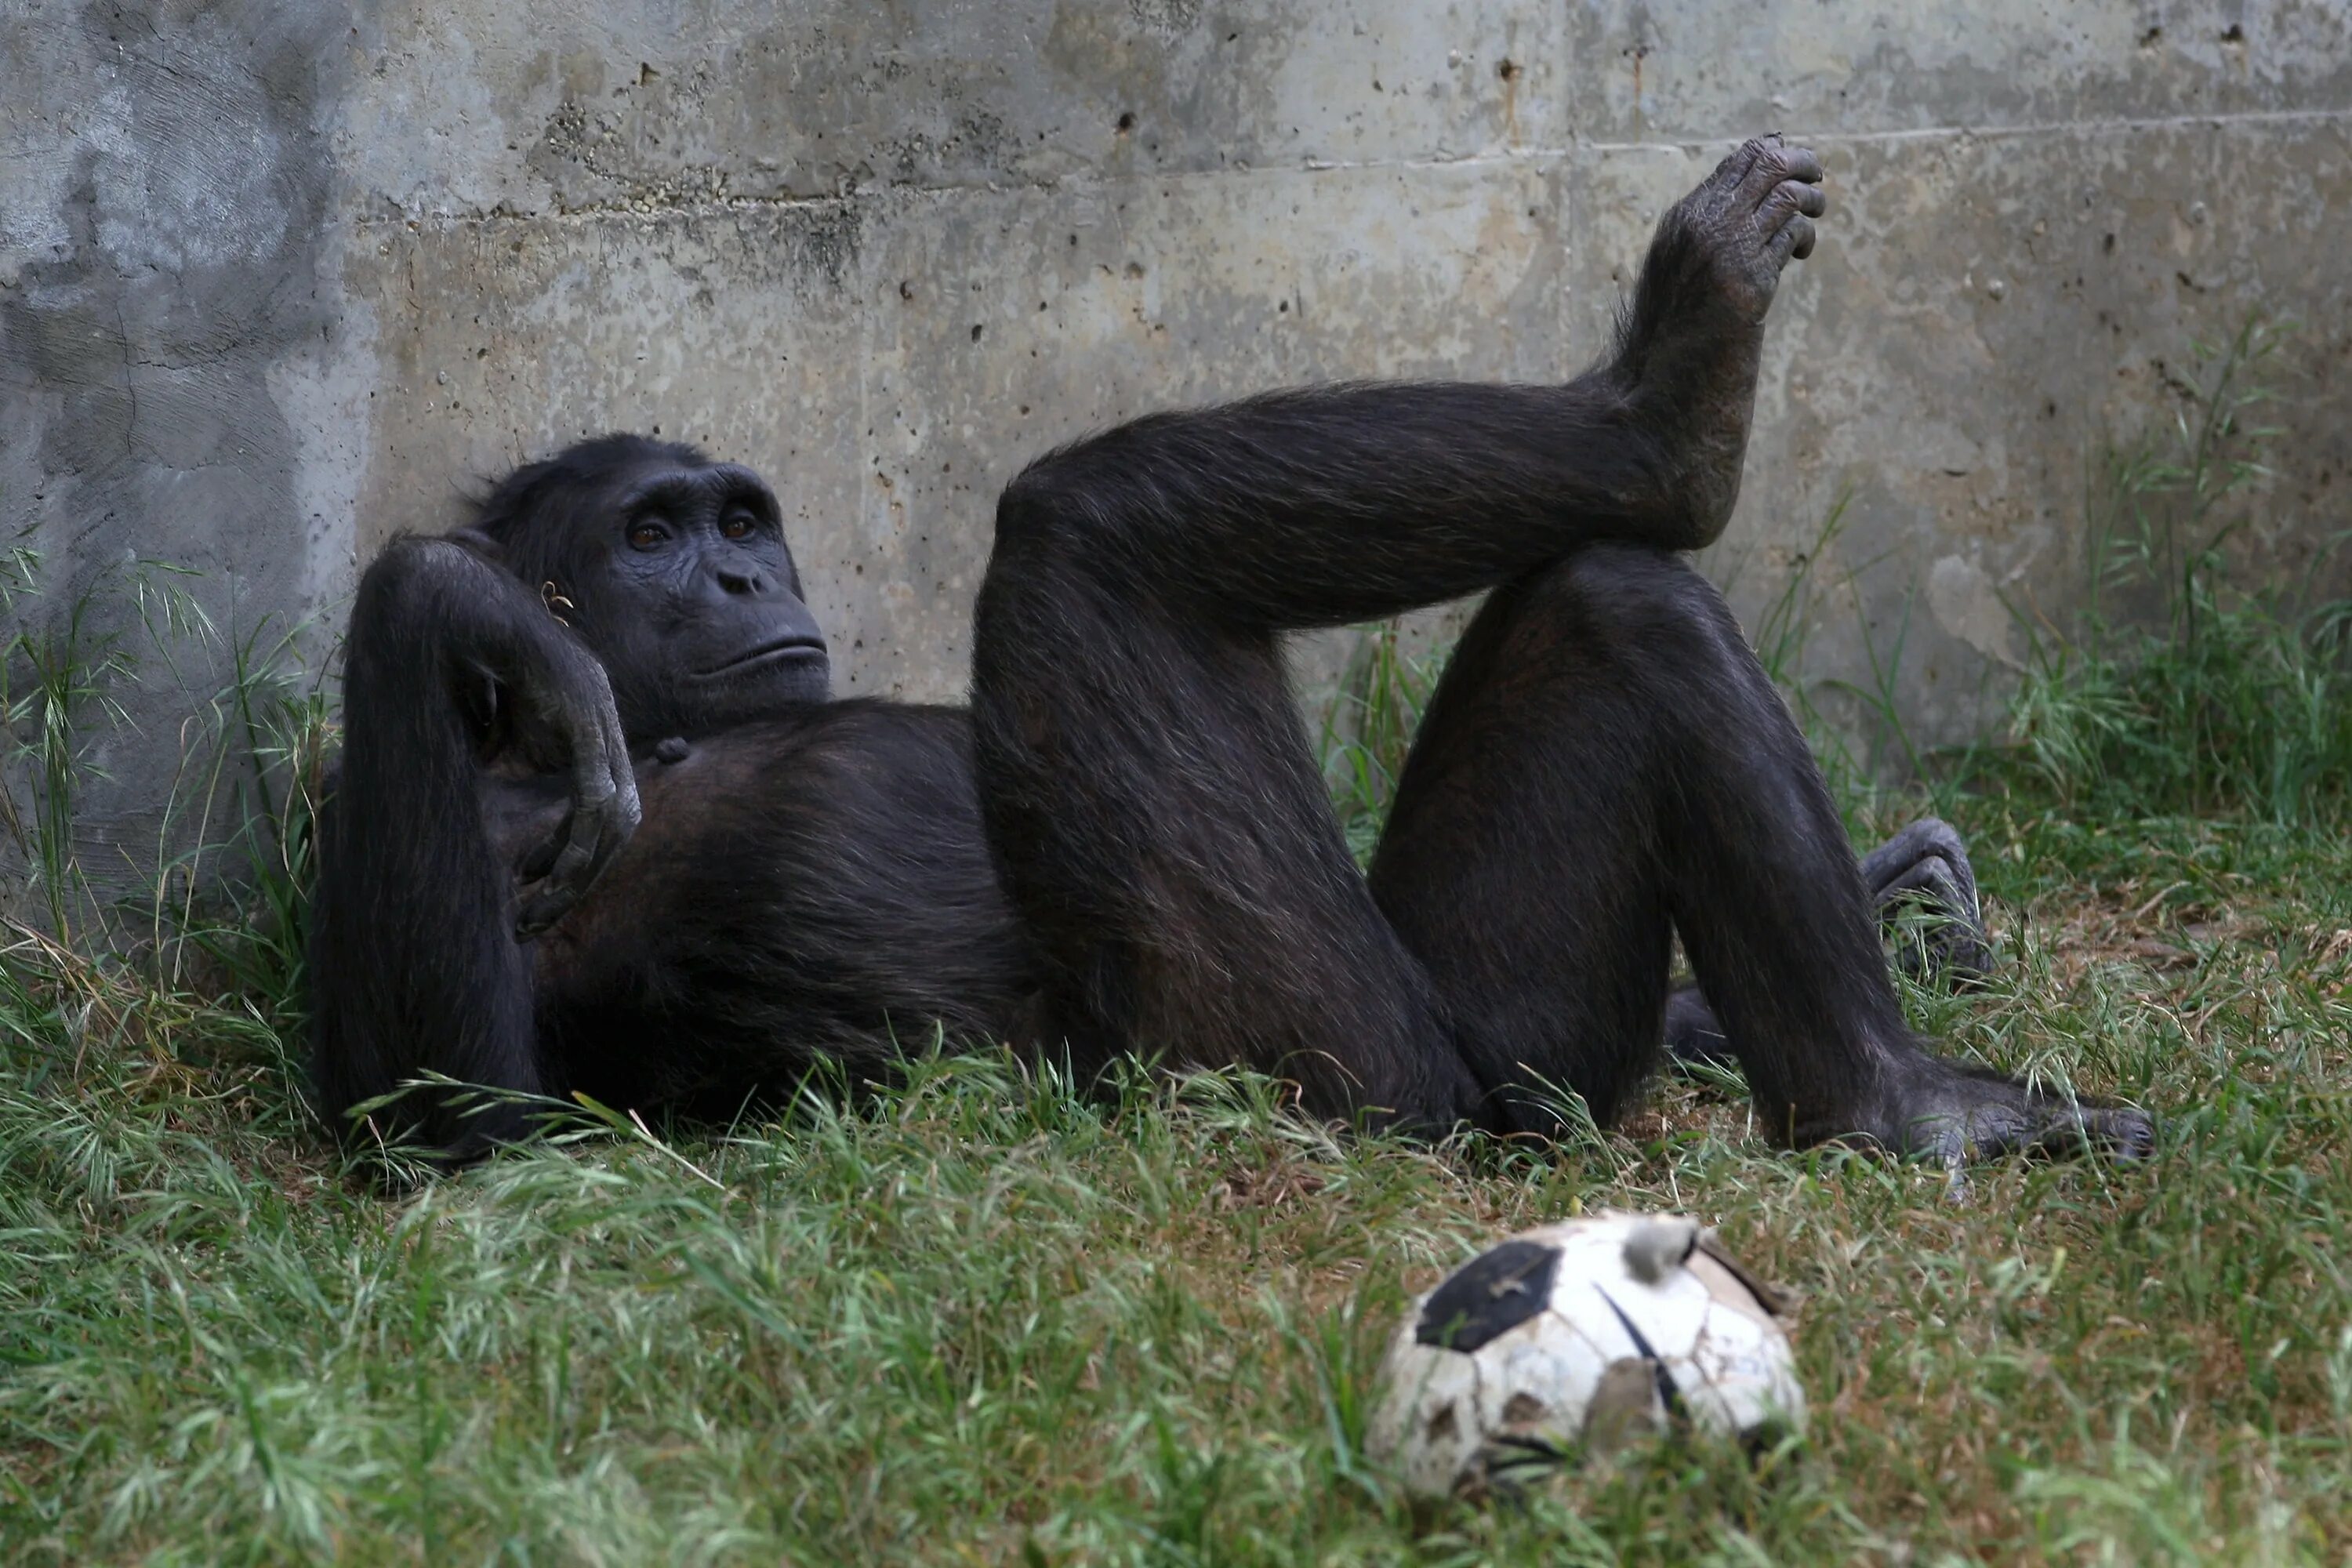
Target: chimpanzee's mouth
782 651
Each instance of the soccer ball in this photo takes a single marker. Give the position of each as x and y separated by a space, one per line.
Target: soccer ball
1576 1338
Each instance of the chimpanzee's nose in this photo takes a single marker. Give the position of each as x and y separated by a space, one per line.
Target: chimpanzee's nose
748 581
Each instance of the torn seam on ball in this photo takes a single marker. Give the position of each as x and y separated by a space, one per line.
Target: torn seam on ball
1668 1395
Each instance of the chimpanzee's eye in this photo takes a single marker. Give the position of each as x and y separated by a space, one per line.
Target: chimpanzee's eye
739 525
647 535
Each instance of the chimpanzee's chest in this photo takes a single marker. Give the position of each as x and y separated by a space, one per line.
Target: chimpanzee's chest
787 897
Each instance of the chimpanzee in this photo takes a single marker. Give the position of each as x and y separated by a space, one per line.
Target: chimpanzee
598 828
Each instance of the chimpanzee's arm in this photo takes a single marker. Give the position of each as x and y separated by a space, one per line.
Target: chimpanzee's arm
416 961
1344 503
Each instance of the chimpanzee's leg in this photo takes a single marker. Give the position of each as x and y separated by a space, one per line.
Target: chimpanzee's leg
1148 794
1605 761
1170 847
1605 758
1924 891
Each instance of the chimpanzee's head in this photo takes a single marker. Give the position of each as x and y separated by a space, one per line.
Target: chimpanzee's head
674 570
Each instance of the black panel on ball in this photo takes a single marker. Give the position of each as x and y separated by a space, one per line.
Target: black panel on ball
1494 1292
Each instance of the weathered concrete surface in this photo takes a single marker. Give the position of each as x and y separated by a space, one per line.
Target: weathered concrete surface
1994 309
278 280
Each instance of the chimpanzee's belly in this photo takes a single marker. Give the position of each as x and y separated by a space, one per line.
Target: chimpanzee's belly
795 892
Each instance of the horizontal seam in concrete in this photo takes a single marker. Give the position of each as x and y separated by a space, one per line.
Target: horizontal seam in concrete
2103 126
647 209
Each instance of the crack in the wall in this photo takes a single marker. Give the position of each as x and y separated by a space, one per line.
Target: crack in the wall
662 206
130 383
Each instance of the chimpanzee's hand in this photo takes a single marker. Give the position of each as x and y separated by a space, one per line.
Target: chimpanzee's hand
1748 219
560 690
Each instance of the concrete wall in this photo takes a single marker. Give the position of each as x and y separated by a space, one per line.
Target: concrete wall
279 278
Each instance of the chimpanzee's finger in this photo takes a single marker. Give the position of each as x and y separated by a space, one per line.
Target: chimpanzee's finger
1793 240
1777 162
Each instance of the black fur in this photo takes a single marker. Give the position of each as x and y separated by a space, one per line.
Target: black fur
598 828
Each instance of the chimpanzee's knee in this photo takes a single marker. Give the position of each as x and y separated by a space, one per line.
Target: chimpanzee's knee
1052 528
1647 617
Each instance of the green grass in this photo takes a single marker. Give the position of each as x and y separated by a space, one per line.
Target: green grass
983 1319
2177 687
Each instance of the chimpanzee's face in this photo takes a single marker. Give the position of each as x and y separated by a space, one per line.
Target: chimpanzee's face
687 593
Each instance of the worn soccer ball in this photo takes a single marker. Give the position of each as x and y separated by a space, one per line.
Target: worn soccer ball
1577 1338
